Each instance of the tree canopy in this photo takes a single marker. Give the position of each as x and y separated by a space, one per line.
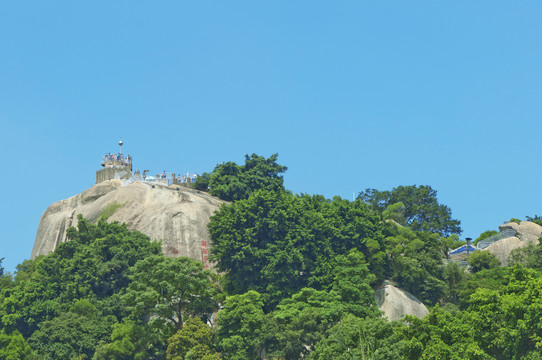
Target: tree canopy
276 243
171 288
231 182
418 209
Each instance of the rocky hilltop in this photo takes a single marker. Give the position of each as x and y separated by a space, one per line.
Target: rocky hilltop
176 215
522 234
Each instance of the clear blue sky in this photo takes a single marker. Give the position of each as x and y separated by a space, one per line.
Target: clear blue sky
351 94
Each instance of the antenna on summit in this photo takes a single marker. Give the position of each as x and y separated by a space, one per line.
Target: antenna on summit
120 145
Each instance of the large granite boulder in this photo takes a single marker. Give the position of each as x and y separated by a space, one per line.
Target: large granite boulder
522 234
525 231
396 303
176 215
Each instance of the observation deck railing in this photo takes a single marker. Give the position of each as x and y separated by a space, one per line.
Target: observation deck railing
482 244
126 159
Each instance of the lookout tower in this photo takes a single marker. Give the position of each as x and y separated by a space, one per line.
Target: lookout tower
115 166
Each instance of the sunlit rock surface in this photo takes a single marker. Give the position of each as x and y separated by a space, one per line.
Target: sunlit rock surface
396 303
176 215
525 233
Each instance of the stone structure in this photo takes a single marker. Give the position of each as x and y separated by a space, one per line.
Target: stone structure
396 303
115 166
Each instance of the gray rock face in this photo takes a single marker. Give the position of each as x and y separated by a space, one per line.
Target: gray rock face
396 303
525 233
177 217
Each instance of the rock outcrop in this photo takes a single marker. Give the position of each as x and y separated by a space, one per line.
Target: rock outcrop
396 303
176 215
525 233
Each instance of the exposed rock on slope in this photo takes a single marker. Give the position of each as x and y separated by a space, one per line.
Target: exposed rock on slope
397 303
524 233
178 217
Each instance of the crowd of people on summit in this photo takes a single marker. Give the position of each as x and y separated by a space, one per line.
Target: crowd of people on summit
179 179
117 157
127 159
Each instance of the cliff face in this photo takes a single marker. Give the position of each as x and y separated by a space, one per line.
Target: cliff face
176 215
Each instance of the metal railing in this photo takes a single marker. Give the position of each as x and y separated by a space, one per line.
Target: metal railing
127 159
482 244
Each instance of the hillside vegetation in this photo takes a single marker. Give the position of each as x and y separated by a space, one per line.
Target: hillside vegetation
294 277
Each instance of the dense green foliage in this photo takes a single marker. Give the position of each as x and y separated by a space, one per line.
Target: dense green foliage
129 341
355 338
529 256
72 334
231 182
298 274
276 243
481 260
173 289
194 340
418 209
14 347
72 303
504 323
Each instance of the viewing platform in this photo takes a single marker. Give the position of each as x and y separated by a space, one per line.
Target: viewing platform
112 160
115 166
119 166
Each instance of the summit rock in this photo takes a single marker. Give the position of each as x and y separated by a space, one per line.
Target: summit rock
176 215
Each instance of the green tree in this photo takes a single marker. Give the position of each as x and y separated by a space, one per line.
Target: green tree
491 279
277 243
442 336
507 320
355 338
6 280
420 209
529 256
73 334
202 182
501 323
130 342
480 260
231 182
352 282
93 265
195 338
171 289
301 321
454 275
395 212
416 262
14 347
240 326
536 219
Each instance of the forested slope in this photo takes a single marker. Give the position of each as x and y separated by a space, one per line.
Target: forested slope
295 279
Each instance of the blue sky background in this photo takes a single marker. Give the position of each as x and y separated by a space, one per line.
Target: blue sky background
351 94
